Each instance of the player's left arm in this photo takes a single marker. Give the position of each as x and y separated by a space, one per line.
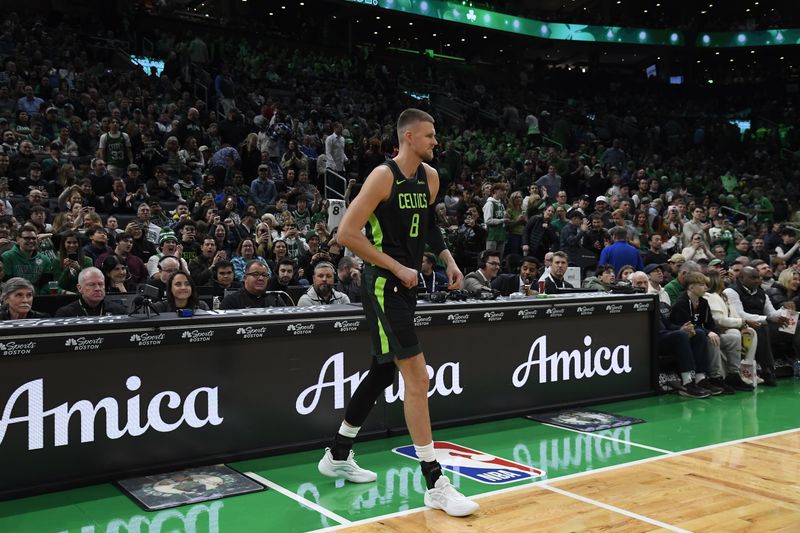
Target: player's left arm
435 239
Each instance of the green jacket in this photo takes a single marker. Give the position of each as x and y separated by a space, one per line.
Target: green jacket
674 289
67 280
37 269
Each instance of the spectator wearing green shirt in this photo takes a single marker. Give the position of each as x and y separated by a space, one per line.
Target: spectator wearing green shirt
677 286
763 207
25 261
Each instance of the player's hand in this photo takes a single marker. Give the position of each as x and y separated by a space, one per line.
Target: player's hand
454 276
408 277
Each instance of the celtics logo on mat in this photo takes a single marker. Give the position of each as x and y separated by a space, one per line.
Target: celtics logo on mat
476 465
187 486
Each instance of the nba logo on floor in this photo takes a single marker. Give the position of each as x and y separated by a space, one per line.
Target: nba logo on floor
476 465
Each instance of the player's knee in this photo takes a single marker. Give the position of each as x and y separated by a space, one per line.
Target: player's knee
417 384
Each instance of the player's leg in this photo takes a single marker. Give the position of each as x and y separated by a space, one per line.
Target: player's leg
338 459
440 494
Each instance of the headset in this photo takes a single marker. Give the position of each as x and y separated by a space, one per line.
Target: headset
485 255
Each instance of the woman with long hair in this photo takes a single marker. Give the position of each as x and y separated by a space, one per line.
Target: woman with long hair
279 250
516 226
181 293
67 176
251 156
69 198
786 290
624 272
71 260
736 329
62 223
116 275
223 238
641 227
697 249
245 252
193 158
263 239
671 228
16 300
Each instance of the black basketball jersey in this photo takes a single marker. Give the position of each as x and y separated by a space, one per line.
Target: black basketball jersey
398 226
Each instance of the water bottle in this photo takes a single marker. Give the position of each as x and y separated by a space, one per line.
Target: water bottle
797 369
215 303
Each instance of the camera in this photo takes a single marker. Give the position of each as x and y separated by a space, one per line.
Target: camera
151 292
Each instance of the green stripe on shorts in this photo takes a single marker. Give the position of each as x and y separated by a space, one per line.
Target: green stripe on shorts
380 283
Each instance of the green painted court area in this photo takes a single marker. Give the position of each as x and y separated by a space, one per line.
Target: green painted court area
299 499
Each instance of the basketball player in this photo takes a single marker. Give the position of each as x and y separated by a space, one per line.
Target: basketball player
394 207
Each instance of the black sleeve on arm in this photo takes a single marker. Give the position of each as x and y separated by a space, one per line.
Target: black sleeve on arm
435 239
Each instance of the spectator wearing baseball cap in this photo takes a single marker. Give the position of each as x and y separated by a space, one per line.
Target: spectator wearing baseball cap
655 282
601 208
716 265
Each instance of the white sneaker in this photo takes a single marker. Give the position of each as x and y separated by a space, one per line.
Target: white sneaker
445 497
347 469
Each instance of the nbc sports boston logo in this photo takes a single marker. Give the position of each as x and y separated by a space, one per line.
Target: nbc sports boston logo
345 326
249 332
585 310
527 314
17 348
493 316
82 344
555 312
458 318
614 309
300 328
422 321
147 339
197 335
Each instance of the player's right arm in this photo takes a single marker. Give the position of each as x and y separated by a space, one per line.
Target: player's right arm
377 188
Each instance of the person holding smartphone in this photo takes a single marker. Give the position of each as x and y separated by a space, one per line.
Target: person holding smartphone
71 260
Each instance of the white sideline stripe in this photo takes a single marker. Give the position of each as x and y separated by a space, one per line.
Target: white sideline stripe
567 477
299 499
606 437
614 509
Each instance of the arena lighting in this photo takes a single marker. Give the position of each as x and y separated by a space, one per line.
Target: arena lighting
466 14
776 37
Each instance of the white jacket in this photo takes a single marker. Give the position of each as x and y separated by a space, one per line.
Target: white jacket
723 314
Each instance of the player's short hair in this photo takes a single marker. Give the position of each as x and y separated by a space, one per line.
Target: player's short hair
409 117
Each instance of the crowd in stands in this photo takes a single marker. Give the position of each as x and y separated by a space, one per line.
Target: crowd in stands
112 179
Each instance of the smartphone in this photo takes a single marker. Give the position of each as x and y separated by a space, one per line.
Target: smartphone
72 257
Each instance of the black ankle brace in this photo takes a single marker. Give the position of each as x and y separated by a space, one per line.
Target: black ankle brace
432 471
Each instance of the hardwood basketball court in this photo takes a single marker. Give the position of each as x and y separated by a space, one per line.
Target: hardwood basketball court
726 463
